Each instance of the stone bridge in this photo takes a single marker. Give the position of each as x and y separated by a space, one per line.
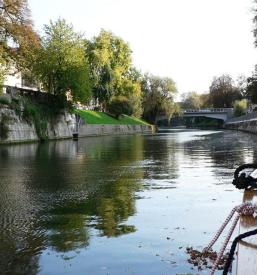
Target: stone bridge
218 113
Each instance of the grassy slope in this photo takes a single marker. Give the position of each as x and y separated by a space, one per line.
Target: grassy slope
93 117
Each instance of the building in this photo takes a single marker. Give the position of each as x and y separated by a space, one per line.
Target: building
18 80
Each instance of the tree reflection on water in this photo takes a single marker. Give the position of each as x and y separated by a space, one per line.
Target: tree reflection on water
58 196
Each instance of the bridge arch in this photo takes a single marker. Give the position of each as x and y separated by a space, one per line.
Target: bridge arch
218 113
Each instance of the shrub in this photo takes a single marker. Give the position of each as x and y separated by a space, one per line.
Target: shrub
4 128
16 106
39 115
135 102
1 80
120 105
4 100
240 107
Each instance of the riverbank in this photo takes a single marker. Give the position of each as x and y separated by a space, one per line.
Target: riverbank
16 128
95 117
246 123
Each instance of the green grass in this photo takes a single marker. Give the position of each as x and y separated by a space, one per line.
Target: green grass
94 117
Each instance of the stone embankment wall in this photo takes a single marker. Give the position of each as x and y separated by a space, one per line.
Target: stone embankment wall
63 126
247 123
99 130
20 130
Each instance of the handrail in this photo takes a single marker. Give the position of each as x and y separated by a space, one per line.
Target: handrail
209 110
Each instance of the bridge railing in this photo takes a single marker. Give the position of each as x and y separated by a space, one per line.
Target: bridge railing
209 110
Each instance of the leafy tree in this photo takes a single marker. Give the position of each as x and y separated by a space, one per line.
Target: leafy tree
61 64
205 100
191 100
111 68
16 29
157 96
131 89
241 84
223 92
251 89
2 74
171 108
120 105
240 107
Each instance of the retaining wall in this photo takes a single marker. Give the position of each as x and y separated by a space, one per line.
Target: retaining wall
247 123
104 129
63 126
247 126
20 130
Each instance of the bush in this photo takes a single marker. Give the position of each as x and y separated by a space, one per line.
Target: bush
1 80
135 102
39 115
4 129
4 100
120 105
240 107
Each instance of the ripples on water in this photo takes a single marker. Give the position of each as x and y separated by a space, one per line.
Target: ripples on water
116 205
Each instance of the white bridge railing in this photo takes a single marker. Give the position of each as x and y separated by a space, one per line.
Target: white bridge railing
212 110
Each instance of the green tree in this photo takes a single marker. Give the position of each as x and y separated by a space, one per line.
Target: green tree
171 108
157 96
2 74
240 107
17 37
205 100
223 92
120 105
251 89
111 69
130 87
191 100
61 64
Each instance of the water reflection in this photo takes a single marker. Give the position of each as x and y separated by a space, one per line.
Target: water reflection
60 197
51 194
230 151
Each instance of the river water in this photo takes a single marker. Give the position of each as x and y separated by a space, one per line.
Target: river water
116 205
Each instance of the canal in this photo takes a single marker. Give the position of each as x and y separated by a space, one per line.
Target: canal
117 205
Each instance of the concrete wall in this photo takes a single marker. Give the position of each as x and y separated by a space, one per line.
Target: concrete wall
247 123
247 126
99 130
62 127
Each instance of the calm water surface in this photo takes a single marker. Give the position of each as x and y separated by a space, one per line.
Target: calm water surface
116 205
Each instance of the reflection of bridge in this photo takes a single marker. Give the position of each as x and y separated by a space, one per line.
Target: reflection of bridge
218 113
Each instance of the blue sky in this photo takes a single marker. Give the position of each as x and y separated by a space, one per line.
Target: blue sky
189 41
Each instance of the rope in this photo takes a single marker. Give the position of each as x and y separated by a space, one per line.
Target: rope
215 238
245 209
225 244
233 248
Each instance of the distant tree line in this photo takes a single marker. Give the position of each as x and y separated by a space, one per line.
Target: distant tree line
62 60
223 92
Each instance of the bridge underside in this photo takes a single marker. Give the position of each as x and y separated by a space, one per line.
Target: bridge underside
217 116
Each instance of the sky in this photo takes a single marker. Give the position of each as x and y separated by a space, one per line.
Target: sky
190 41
